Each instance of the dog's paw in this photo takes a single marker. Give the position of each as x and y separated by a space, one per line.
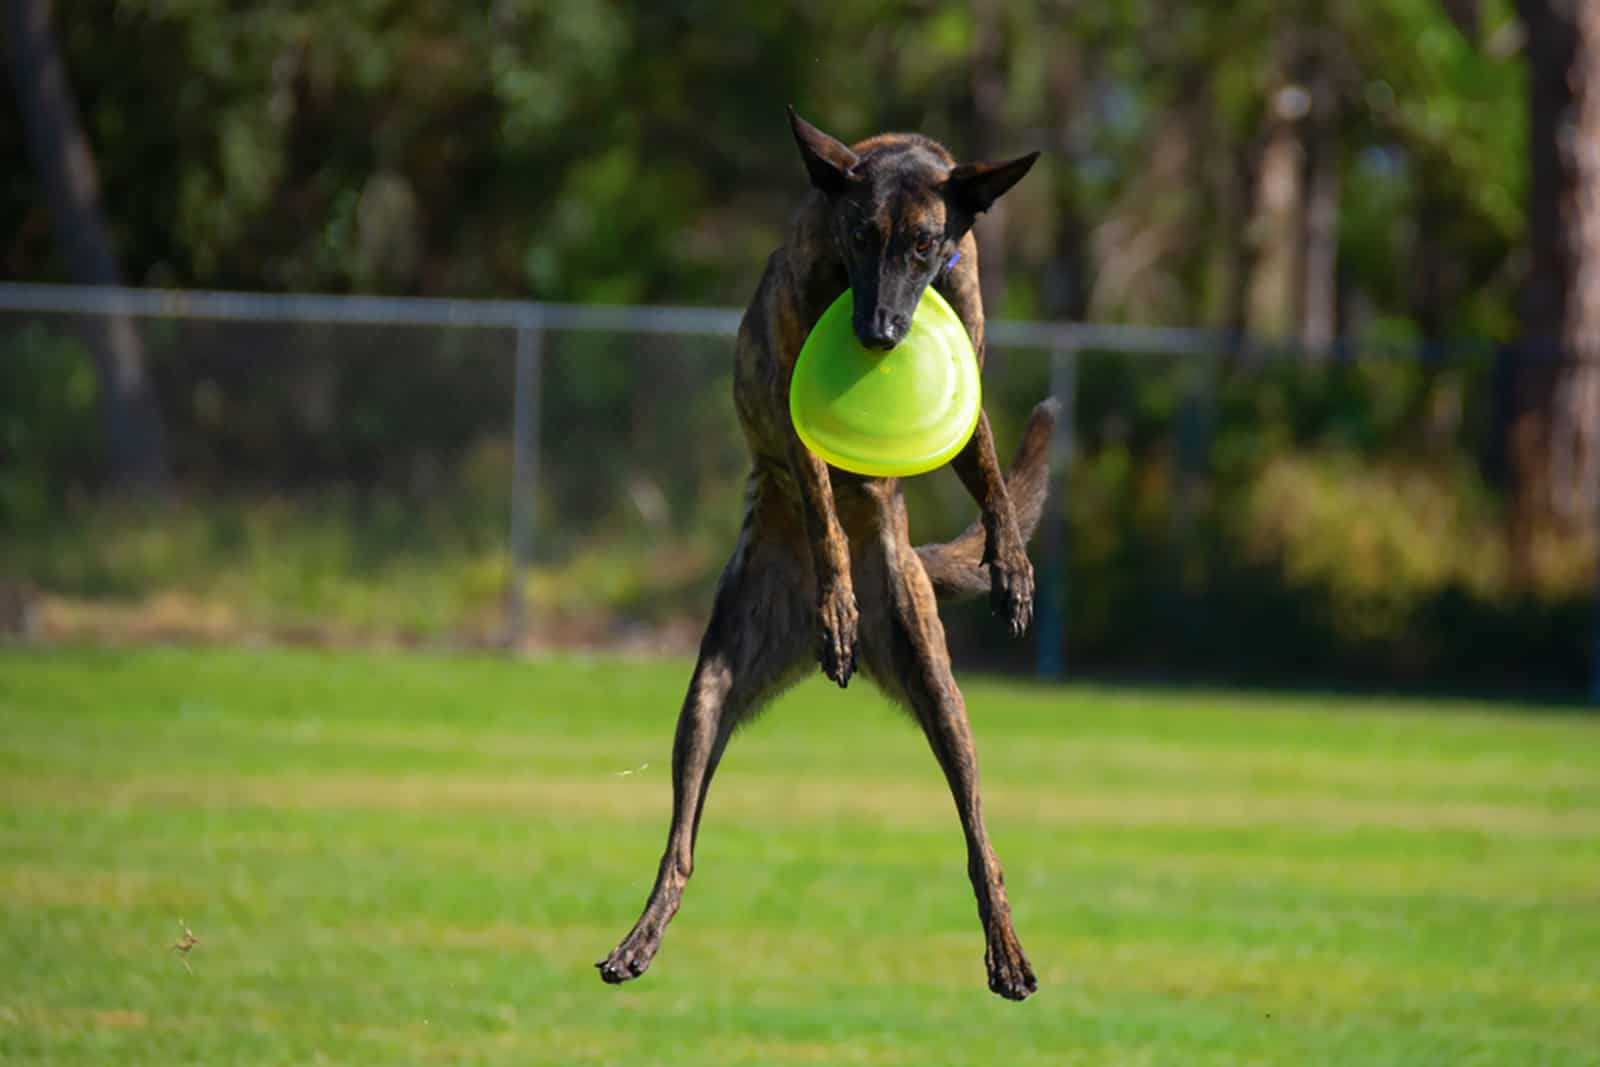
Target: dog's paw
1011 590
836 649
1010 974
628 960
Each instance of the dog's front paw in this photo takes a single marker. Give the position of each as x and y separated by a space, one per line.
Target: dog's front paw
836 651
1011 590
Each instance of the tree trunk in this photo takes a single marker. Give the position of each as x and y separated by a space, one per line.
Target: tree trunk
1276 227
67 172
1578 412
1428 259
985 131
1319 264
1466 15
1236 198
1065 292
1554 432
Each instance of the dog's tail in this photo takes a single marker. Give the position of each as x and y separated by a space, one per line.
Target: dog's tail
955 567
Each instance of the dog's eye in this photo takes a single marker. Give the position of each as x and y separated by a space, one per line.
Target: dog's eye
862 234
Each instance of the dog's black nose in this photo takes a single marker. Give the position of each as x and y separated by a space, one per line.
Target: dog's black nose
883 331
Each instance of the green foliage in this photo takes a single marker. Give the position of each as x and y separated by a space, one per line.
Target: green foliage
1455 106
614 152
1378 544
49 433
1321 521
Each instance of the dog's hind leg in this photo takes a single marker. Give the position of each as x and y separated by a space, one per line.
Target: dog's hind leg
758 641
904 653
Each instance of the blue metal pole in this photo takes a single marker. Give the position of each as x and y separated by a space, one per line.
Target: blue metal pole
524 470
1050 627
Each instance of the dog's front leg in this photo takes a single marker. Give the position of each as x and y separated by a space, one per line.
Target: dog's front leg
830 558
1004 551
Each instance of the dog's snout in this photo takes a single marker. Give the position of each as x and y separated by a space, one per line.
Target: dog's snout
883 330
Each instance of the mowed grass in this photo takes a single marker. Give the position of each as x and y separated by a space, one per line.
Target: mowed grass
417 859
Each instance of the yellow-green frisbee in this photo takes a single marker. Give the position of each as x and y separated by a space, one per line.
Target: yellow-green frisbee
887 414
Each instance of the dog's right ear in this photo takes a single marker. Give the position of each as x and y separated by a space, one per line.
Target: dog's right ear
827 161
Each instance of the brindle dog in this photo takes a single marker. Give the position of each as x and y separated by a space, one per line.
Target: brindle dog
824 564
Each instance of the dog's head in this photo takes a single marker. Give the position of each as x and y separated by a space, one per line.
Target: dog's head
896 212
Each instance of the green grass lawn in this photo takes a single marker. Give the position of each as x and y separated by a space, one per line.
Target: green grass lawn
417 859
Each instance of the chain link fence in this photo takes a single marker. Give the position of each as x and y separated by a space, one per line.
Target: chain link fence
510 472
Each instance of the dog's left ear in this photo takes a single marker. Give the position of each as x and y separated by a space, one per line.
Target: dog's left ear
976 186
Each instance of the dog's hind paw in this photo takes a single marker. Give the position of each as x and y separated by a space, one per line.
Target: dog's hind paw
626 962
1010 974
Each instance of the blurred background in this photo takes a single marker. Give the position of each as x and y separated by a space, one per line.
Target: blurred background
1363 448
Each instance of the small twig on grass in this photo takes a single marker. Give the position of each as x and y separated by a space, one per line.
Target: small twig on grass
185 943
636 770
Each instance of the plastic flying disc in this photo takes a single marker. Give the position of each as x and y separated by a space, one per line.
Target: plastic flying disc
887 414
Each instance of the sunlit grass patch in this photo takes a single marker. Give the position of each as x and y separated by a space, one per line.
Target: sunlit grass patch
412 859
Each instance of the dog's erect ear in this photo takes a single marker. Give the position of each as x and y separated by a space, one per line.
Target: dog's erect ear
827 161
976 186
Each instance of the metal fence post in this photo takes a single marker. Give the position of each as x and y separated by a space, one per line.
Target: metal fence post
1195 428
524 468
1050 627
1594 668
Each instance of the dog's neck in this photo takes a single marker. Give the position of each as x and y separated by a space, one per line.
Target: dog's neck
819 272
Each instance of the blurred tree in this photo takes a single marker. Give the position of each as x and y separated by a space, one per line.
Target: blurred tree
1554 441
66 169
1317 305
1277 222
985 133
619 152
